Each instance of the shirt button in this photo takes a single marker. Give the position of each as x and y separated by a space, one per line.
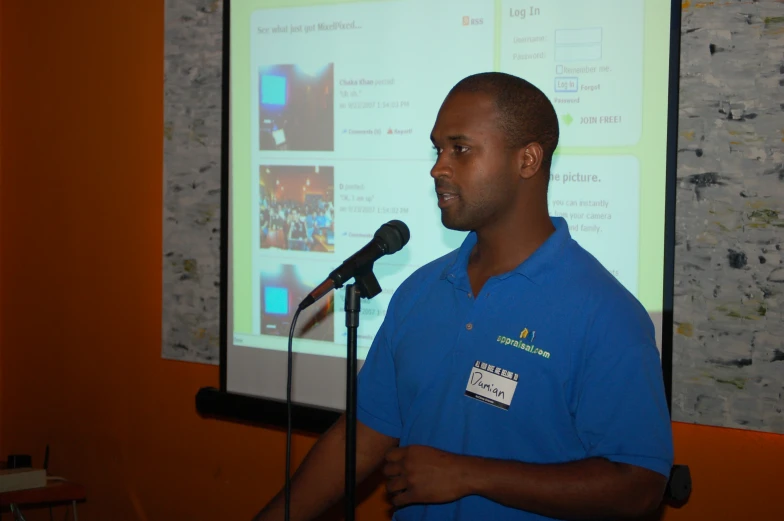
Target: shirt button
469 295
469 326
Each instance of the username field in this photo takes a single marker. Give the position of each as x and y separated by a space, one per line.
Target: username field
578 36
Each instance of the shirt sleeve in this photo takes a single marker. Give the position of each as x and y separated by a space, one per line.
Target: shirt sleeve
377 398
622 412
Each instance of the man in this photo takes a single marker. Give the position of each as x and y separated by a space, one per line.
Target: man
515 377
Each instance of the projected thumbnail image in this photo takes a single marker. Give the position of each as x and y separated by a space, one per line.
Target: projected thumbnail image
296 107
281 293
296 208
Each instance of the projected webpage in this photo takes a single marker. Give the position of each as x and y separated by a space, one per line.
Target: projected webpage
332 108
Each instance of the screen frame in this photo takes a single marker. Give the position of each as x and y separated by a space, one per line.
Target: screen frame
229 406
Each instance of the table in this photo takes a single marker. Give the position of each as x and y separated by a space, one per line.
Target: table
56 492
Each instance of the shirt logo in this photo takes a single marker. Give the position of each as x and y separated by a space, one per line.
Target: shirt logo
521 343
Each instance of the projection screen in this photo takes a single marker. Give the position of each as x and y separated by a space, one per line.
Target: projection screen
330 108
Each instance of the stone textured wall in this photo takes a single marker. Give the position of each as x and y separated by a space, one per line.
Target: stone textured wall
192 177
728 360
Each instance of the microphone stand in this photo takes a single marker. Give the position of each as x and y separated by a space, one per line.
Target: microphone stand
366 286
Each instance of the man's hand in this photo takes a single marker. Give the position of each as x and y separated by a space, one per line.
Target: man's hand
585 489
418 474
318 483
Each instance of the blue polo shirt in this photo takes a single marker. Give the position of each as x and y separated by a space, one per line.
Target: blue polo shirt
552 362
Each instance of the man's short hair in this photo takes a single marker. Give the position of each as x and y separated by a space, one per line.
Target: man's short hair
525 113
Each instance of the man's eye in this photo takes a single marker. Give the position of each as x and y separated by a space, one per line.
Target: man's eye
460 149
438 150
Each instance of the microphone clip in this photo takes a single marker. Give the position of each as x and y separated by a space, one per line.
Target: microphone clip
366 281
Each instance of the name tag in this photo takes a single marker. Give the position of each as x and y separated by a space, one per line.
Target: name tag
490 384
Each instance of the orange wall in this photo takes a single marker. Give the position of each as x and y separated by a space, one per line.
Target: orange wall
80 211
1 234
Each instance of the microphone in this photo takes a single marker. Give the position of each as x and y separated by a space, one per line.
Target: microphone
388 239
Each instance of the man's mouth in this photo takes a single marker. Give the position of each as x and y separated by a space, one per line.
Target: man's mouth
446 198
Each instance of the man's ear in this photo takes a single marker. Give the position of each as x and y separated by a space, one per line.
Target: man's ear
530 160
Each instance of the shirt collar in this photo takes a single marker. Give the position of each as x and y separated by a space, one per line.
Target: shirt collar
532 268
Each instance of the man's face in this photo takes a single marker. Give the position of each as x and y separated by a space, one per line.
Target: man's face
475 173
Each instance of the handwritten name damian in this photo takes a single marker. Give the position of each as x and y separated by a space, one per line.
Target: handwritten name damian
476 381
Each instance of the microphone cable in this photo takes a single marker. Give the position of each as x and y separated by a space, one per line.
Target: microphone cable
287 504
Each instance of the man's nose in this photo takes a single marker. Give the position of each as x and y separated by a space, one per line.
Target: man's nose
441 168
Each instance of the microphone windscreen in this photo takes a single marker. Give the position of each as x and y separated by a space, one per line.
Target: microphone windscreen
394 235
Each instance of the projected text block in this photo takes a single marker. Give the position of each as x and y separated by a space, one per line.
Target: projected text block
361 81
588 64
600 197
